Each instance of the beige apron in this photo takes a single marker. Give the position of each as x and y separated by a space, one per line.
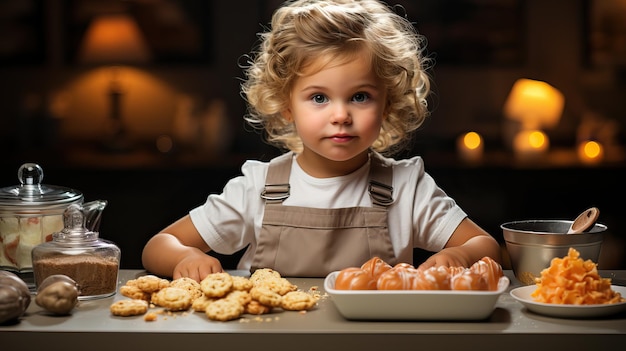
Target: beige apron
312 242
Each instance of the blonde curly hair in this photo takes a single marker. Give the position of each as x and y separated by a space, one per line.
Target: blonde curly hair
335 30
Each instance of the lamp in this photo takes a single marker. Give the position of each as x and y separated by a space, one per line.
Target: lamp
534 105
114 40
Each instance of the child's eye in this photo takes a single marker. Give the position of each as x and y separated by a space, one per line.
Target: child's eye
319 98
360 97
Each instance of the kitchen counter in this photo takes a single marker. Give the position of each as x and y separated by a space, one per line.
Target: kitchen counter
510 327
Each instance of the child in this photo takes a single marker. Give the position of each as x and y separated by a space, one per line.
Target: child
336 82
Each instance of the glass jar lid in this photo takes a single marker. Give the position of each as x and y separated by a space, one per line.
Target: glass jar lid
32 194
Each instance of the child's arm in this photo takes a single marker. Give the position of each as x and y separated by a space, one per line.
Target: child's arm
179 251
468 244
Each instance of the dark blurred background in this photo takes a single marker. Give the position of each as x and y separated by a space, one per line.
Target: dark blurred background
148 115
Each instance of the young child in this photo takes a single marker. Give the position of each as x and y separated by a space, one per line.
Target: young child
337 83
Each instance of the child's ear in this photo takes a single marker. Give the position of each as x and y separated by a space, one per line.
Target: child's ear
287 115
386 113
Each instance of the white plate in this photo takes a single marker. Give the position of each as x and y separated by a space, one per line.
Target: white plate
414 304
522 295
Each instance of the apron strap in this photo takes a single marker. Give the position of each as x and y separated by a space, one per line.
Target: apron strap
380 178
277 180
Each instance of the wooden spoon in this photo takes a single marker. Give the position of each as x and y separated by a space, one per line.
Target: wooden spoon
584 221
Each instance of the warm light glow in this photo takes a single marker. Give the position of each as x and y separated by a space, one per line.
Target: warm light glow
472 140
113 39
590 152
148 108
530 143
470 146
536 139
534 104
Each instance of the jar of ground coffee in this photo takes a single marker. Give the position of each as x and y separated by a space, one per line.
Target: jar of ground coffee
80 254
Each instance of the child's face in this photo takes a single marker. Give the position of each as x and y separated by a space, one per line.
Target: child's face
337 112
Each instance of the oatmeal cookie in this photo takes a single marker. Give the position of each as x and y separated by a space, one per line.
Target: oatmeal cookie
266 296
133 292
224 310
262 274
188 284
151 283
281 286
200 304
131 282
242 296
127 308
173 299
241 283
298 301
255 307
216 284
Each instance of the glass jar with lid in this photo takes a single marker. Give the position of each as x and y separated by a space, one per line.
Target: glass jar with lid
29 213
80 254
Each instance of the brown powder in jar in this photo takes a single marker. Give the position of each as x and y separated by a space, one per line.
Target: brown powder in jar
94 275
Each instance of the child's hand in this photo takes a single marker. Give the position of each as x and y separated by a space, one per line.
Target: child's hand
197 267
449 257
468 244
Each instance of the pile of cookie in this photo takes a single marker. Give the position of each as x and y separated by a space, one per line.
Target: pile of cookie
221 296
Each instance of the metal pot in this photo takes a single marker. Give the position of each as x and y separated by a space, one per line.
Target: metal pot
29 213
532 244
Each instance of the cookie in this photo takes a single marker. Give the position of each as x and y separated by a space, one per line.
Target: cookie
216 284
241 283
192 286
127 308
262 274
200 304
173 299
255 307
133 292
151 283
281 286
266 296
240 295
297 301
224 310
131 282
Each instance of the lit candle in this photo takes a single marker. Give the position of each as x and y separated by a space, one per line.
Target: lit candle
470 147
590 152
530 143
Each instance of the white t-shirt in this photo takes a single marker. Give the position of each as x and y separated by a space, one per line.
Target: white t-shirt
422 215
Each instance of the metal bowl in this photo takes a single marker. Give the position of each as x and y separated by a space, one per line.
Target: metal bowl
532 244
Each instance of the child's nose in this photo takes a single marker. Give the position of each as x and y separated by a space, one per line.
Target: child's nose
341 115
